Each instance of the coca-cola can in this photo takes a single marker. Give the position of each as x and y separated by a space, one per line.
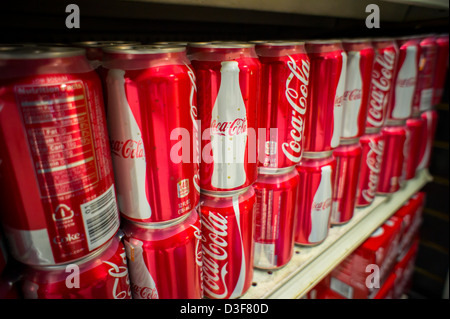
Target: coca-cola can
228 226
57 184
323 124
441 67
228 83
372 150
423 95
426 145
152 122
348 163
405 79
276 200
165 259
94 49
383 75
284 96
101 275
393 158
415 128
314 199
360 57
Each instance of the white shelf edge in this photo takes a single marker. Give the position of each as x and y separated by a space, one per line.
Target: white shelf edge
312 264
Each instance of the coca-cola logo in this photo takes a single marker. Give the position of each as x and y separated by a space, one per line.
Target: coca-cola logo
352 95
128 149
238 126
373 161
321 206
293 148
381 84
144 292
121 280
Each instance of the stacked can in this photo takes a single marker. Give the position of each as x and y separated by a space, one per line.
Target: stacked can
151 115
59 206
285 72
228 79
323 129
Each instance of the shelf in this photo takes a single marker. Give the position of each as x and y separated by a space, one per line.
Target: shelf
310 264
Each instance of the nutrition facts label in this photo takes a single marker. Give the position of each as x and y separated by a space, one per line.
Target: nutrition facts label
56 119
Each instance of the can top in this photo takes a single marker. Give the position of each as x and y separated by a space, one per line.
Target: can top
222 44
164 224
383 39
349 141
224 193
277 42
323 41
183 43
38 52
101 44
356 40
144 49
391 122
275 171
323 154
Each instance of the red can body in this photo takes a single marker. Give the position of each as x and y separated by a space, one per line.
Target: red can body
276 200
383 75
415 128
441 68
284 95
423 96
426 145
393 158
101 275
405 79
228 81
151 113
227 243
372 146
323 123
314 199
56 172
360 57
165 259
348 163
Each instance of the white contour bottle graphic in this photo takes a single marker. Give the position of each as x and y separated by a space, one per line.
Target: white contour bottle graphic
229 130
124 132
143 285
320 217
404 89
352 102
338 104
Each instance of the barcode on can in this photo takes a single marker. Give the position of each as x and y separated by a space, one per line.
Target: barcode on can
341 288
101 218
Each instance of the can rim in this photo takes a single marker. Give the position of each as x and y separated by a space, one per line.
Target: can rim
372 130
39 52
144 49
222 44
277 42
348 141
224 193
324 41
314 155
391 122
101 44
383 39
164 224
356 40
274 170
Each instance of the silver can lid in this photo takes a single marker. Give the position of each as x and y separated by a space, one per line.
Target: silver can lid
38 52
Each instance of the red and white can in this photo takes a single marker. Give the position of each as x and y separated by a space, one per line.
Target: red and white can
383 75
228 223
314 199
348 163
228 83
165 259
360 57
100 275
415 128
284 96
441 67
426 145
423 96
372 146
393 158
152 115
276 200
323 124
56 173
405 79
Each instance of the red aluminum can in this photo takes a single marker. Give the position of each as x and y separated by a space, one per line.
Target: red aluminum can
383 75
441 67
314 199
372 146
423 96
405 79
228 224
426 145
393 158
415 131
228 82
284 96
152 122
323 124
276 200
348 163
100 275
56 173
360 57
165 259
